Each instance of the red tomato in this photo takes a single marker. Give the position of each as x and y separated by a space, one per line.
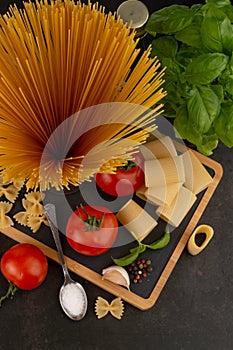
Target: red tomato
25 265
126 180
91 230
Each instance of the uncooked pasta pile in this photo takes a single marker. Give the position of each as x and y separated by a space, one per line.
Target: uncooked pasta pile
58 59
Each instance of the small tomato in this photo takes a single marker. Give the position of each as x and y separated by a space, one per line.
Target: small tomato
125 181
25 265
91 230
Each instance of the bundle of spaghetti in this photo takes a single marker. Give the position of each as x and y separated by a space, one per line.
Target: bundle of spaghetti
57 60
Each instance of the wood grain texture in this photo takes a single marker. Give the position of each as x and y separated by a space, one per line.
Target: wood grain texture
128 296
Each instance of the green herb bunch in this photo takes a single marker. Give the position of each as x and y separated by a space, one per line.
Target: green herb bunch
196 45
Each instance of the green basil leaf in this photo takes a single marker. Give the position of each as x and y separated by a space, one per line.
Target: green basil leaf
205 68
223 124
191 35
217 31
172 71
183 127
165 46
160 243
203 107
172 99
209 142
169 112
228 10
229 85
231 64
170 19
139 249
132 256
205 142
142 248
219 3
135 250
196 7
185 55
126 260
223 77
218 90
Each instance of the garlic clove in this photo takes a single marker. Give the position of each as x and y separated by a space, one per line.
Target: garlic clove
117 275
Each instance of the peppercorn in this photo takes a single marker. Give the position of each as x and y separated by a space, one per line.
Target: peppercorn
140 269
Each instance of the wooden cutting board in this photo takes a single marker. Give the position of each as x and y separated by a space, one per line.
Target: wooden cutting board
134 297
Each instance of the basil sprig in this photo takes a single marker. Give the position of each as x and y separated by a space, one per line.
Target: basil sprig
140 248
195 45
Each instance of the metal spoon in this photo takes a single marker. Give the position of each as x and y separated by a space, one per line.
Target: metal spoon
51 216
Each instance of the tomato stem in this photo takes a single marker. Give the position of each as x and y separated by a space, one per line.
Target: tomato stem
12 289
91 222
128 166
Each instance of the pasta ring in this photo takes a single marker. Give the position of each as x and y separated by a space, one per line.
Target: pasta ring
192 246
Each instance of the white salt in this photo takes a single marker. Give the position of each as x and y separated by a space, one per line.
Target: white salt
73 299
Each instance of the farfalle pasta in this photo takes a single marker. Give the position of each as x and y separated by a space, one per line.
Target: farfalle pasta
102 308
5 220
10 190
33 203
35 222
33 214
21 217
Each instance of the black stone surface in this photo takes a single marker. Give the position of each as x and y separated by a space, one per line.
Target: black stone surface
193 312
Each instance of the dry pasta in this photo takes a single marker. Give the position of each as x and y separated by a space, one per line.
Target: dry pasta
136 220
197 177
33 214
35 222
164 171
159 148
159 195
57 59
102 307
176 212
5 220
22 218
10 192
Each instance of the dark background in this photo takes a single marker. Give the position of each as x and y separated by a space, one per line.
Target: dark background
194 311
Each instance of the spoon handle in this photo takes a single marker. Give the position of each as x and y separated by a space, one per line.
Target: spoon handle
50 213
